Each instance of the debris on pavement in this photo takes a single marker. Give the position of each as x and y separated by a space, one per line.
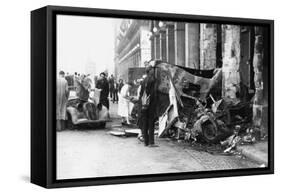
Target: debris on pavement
132 132
125 132
117 133
232 141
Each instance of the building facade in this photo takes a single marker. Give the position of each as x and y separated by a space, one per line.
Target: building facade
241 52
132 46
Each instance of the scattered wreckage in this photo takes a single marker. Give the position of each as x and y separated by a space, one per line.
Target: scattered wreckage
191 107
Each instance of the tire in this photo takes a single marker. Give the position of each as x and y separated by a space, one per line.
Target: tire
210 131
69 124
102 125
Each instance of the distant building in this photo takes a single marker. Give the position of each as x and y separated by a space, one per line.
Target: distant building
90 69
132 46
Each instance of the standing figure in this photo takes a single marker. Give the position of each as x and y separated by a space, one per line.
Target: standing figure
120 85
148 113
111 86
124 103
62 97
83 87
102 84
115 92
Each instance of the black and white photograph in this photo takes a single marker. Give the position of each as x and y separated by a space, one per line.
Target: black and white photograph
144 97
138 97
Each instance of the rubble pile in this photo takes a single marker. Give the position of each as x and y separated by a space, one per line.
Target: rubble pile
192 110
194 114
213 126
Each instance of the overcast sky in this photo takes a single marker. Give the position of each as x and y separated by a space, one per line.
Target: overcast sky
83 40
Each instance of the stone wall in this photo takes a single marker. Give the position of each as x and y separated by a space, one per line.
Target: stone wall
208 44
180 43
170 43
163 46
192 45
231 61
260 106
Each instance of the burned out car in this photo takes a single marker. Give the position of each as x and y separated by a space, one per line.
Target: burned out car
83 108
191 106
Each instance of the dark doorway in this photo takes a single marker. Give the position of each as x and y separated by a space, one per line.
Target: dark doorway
219 47
246 69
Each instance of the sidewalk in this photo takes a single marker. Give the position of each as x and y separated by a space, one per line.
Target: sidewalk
257 152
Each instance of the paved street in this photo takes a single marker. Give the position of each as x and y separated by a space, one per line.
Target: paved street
95 153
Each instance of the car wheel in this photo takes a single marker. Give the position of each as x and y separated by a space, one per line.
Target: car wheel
102 125
210 131
69 124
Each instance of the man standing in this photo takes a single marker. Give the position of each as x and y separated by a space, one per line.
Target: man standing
148 113
102 84
120 85
111 86
115 92
62 97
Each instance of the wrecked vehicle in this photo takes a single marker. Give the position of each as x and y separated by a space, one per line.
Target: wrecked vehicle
84 110
191 106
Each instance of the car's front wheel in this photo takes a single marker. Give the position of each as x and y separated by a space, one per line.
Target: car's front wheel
210 131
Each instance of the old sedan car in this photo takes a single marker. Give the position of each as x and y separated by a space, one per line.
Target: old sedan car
84 114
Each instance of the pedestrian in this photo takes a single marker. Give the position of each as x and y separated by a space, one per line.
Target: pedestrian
115 92
148 113
83 87
61 101
124 103
139 83
111 86
69 79
137 107
102 84
120 85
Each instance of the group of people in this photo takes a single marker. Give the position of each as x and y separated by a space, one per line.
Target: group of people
110 89
146 102
114 88
118 92
82 85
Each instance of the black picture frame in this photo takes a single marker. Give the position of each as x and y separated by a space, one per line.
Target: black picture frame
43 84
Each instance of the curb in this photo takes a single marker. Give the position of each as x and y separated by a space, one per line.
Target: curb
253 154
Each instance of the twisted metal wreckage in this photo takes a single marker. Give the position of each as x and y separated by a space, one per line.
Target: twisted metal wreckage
192 109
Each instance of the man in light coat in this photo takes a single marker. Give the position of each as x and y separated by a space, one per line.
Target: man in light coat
62 97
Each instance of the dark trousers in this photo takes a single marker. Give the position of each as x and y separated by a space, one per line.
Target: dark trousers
115 96
105 102
148 128
111 93
61 125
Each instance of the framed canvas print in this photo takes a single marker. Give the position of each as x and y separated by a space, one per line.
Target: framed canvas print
125 96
